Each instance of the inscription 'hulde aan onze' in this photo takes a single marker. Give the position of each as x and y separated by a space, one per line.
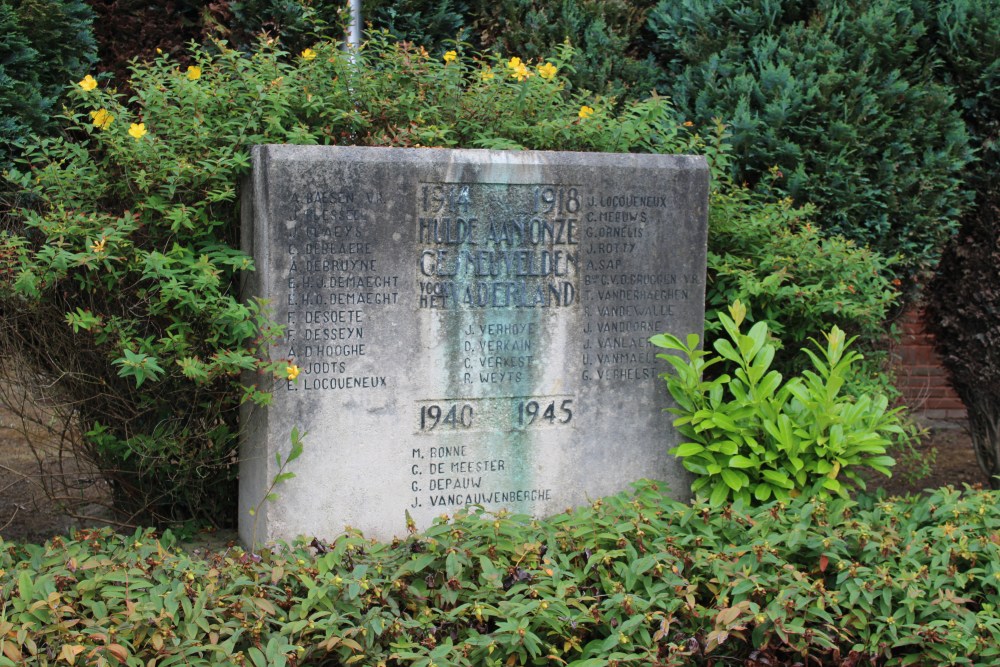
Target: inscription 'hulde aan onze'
472 328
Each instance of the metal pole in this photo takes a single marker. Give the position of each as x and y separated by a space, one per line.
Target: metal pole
354 26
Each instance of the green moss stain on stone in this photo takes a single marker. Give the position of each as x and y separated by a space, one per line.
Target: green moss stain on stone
501 278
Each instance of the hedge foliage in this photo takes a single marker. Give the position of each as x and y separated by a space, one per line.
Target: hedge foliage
633 579
298 24
865 110
839 97
44 44
774 257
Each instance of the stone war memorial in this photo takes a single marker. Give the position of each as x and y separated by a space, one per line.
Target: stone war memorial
471 328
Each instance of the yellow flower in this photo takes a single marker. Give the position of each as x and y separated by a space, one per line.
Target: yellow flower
102 118
137 130
487 74
547 71
585 112
450 56
88 83
308 54
688 123
193 72
514 63
292 372
98 246
520 72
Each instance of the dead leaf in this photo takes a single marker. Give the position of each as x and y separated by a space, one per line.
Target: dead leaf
119 652
11 650
69 652
727 616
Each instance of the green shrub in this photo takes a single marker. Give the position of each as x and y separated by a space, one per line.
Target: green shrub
838 98
20 101
771 256
633 579
118 286
965 38
755 435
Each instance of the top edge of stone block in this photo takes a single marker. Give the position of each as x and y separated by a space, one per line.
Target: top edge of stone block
374 154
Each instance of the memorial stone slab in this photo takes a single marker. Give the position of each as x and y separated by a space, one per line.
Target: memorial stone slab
471 327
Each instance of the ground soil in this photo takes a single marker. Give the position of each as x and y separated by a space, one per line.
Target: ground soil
949 445
27 514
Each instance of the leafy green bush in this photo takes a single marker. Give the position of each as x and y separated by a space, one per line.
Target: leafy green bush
965 38
118 286
754 435
771 256
45 44
838 98
633 579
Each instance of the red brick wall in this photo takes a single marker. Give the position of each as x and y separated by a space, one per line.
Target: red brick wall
919 373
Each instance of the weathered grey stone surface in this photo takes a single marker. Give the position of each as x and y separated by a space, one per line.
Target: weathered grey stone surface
471 328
